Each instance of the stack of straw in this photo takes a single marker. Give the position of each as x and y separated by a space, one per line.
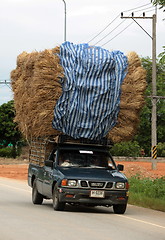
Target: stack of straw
132 101
36 86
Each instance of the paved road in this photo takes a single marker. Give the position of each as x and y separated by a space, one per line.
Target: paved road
21 220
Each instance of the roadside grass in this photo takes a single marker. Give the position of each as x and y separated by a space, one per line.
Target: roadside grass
147 192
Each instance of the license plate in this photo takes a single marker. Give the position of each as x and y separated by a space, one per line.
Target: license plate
97 194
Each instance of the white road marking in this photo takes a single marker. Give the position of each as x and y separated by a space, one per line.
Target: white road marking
141 221
134 219
20 189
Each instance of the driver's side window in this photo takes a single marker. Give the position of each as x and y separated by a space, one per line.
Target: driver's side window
52 155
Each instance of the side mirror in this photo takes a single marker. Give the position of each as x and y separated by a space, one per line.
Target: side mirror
120 167
49 163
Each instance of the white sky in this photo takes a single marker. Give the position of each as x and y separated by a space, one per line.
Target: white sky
29 25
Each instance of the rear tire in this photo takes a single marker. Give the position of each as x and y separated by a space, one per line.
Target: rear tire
57 205
119 208
37 198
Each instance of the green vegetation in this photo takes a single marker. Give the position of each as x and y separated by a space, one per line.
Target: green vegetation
7 152
130 149
161 3
143 138
161 149
9 133
147 192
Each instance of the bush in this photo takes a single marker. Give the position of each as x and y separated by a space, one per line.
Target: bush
6 152
9 152
161 149
154 188
129 149
147 192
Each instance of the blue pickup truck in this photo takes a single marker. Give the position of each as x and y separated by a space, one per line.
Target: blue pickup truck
77 173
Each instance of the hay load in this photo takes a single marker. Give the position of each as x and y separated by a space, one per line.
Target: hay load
132 101
37 87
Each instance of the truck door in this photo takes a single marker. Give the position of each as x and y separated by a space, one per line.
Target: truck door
48 174
47 181
40 178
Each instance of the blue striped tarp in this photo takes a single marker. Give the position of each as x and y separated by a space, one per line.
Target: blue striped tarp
89 105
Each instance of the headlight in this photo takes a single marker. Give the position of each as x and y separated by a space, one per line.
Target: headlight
120 185
72 183
69 183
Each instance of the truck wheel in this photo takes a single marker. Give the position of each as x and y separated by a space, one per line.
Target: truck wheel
37 198
119 208
57 205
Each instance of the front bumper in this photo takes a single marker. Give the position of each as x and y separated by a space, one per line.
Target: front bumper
82 196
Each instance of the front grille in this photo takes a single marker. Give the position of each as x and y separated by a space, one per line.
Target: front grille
109 185
97 184
84 184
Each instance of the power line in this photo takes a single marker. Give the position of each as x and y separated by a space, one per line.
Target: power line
123 29
145 9
117 34
110 32
150 10
117 27
104 28
126 28
137 7
115 20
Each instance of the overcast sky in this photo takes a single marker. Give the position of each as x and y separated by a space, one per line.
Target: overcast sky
29 25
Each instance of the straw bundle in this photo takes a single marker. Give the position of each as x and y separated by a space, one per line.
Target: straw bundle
36 87
132 100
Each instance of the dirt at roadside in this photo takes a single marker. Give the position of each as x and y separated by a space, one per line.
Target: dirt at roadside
14 171
17 168
144 169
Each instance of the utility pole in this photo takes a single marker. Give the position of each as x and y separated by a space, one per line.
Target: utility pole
64 20
5 82
154 91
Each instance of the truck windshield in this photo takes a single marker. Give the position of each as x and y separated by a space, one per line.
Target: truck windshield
83 158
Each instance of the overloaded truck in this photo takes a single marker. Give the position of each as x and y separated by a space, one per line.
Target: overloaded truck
71 103
75 172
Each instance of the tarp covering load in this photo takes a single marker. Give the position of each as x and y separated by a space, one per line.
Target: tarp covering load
89 105
44 80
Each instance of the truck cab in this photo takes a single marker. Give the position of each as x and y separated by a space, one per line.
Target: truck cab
78 173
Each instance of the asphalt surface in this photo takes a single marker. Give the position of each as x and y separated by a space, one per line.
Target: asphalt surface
21 220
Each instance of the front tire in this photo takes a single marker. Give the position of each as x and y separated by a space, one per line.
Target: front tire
37 198
119 208
57 205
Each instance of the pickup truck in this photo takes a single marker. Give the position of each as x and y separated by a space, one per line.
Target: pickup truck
76 173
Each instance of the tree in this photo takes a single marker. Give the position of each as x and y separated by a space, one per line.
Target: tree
159 2
162 56
144 133
9 133
129 149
